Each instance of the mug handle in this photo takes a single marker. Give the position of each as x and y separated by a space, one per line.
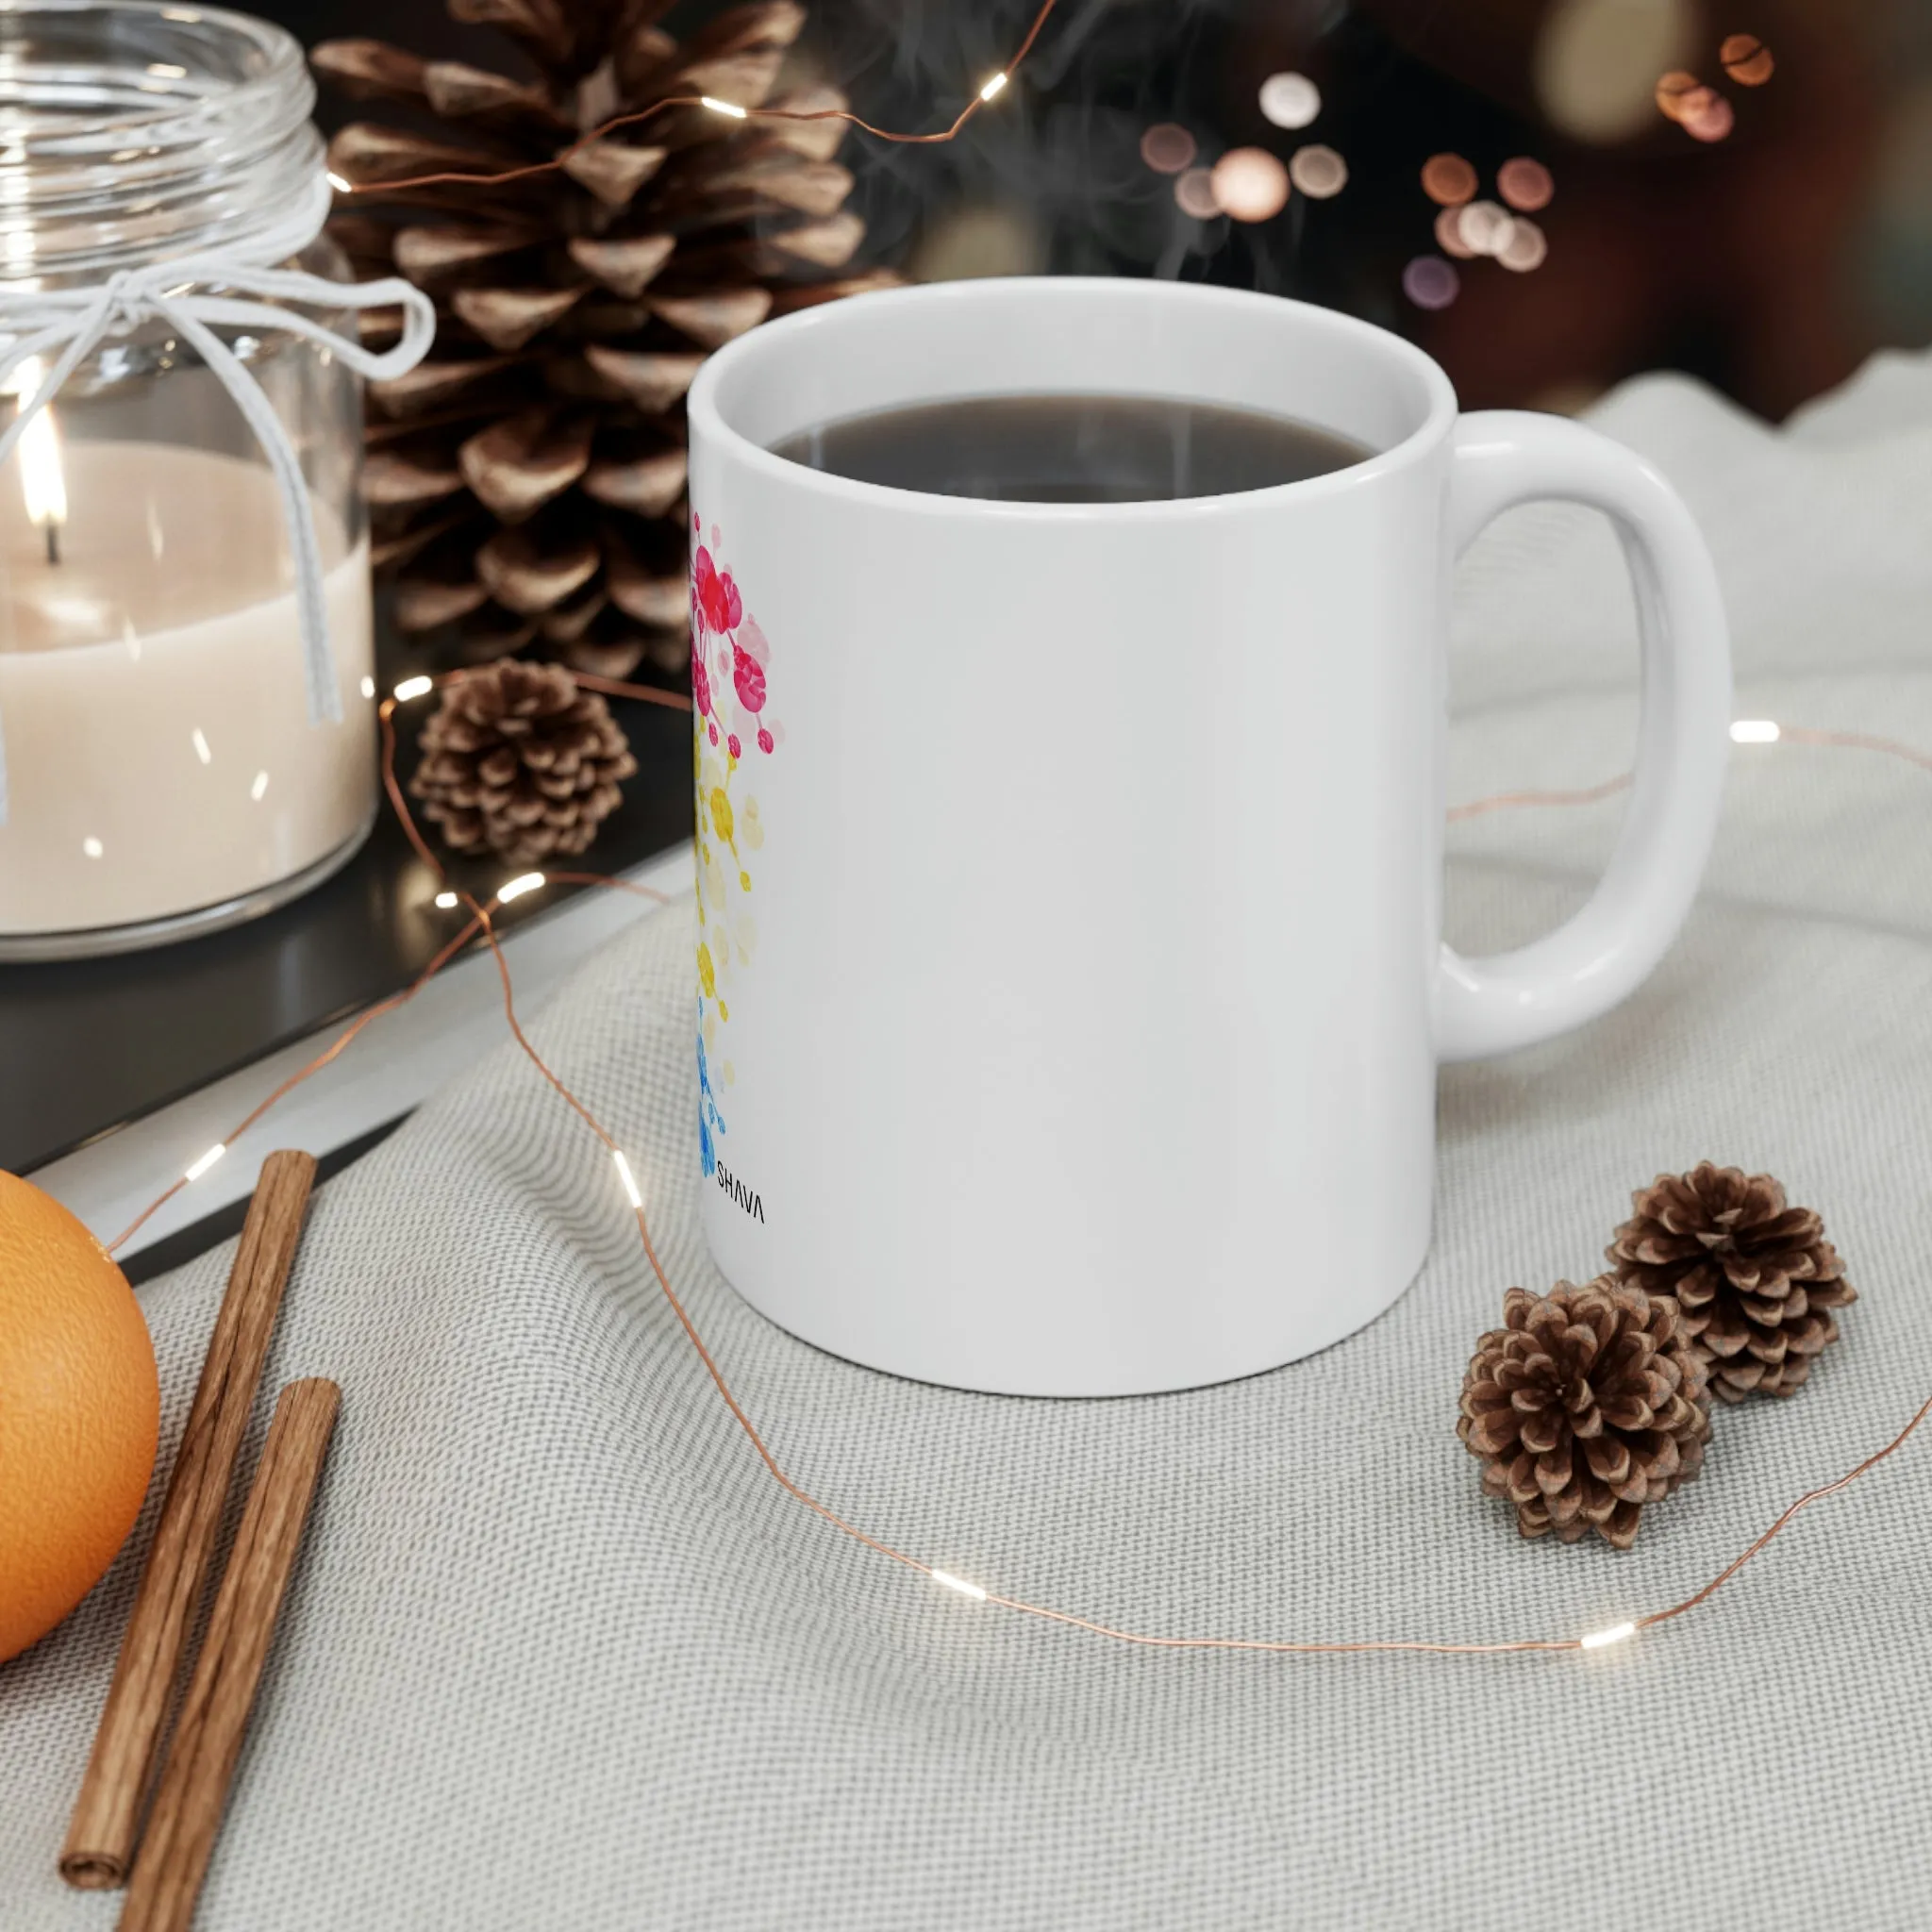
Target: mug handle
1503 457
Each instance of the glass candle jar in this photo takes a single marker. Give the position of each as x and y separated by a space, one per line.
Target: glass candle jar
167 774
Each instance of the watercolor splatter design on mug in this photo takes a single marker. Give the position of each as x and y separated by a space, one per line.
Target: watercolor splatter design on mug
730 665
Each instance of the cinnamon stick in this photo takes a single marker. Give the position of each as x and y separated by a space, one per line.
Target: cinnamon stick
107 1815
193 1791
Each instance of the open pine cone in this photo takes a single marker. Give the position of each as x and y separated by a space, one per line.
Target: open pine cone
1757 1279
520 762
1588 1404
527 482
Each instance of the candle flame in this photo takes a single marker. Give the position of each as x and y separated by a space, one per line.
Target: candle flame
42 479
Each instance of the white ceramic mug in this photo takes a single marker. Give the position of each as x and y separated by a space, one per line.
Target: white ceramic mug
1070 985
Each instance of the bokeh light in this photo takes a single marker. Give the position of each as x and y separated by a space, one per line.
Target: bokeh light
1709 118
1167 148
1448 179
1595 64
1449 234
1195 190
1250 184
1527 247
1673 90
1692 101
1430 282
1485 226
1525 184
1317 171
1290 100
1747 59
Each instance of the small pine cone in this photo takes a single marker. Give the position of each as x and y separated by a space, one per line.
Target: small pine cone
520 762
1586 1404
1756 1280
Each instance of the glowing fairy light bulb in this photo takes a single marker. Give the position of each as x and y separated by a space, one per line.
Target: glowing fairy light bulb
629 1180
208 1160
1755 731
42 478
994 83
948 1581
516 887
414 688
728 107
1615 1634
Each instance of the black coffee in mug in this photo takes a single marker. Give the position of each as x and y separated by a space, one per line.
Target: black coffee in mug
1072 449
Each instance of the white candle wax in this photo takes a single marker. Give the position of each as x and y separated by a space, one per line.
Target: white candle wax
158 749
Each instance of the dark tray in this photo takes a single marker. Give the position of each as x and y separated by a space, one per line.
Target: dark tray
90 1044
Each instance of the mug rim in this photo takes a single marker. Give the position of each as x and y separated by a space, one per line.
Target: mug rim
707 418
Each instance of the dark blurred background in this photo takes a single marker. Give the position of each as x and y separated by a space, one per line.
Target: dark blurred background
1766 239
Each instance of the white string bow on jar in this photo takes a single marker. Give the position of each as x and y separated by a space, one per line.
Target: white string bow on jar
69 323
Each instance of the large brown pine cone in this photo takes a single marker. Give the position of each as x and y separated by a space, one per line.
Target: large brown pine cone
1588 1404
520 762
1757 1279
527 482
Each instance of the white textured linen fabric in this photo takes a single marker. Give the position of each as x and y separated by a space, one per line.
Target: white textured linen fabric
560 1654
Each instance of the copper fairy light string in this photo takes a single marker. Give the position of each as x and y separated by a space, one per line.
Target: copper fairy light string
988 90
1510 801
1745 731
1847 741
1804 1502
342 1041
414 686
481 924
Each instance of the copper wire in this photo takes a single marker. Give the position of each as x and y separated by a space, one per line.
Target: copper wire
1509 801
1855 740
481 924
950 132
341 1044
646 694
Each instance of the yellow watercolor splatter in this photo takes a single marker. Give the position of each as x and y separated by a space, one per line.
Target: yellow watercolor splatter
744 882
708 977
720 813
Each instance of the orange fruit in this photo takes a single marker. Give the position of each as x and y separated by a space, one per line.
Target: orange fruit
81 1407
